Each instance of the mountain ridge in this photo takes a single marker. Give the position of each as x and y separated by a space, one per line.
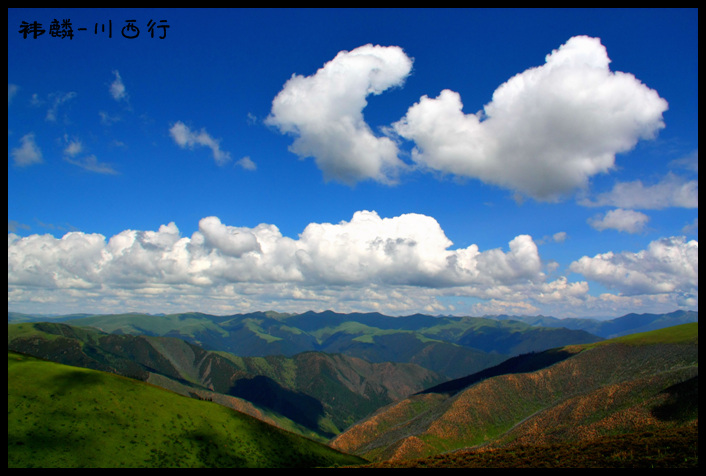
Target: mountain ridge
315 392
611 387
451 346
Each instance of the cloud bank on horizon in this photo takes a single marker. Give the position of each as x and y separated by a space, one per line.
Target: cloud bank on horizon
543 135
395 265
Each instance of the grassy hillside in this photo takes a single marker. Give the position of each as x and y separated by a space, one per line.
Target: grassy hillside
647 381
681 334
670 448
61 416
312 393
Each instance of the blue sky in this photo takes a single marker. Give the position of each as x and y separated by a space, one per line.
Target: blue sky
441 161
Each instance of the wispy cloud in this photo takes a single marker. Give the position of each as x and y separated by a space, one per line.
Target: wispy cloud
247 163
671 191
688 162
12 90
117 88
91 164
14 226
74 147
186 138
57 100
28 153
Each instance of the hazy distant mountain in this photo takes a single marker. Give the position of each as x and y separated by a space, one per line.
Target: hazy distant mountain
620 326
451 346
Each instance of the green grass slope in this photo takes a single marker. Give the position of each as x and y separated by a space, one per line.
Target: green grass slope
62 416
681 334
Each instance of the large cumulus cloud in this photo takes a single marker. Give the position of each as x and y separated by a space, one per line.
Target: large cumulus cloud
410 249
546 131
325 113
367 259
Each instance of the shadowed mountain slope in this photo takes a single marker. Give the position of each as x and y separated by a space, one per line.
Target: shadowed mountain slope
318 394
641 381
62 416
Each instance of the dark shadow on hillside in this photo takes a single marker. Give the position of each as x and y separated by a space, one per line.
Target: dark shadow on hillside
75 380
682 403
213 452
265 392
515 365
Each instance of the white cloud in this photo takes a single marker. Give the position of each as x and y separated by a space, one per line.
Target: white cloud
671 191
546 131
230 241
628 221
28 153
688 162
325 113
247 163
91 164
185 137
73 147
58 99
12 90
560 237
668 265
107 119
14 226
396 265
692 227
117 88
365 256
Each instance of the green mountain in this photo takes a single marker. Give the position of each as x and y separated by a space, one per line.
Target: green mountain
62 416
574 394
450 346
312 393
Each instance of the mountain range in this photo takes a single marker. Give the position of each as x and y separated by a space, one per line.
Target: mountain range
448 345
498 381
620 326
